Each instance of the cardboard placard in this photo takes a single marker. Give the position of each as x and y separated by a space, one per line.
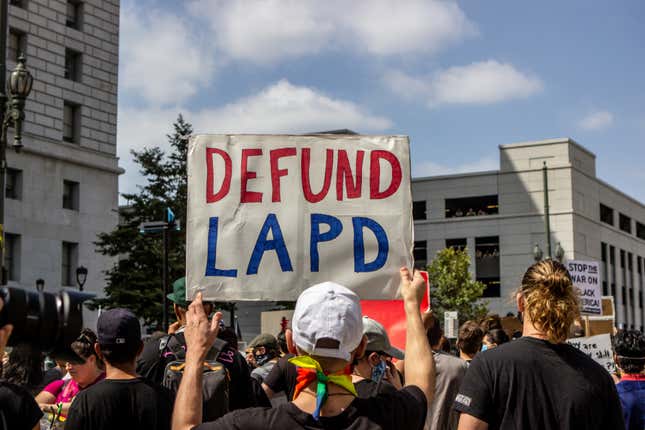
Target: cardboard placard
597 347
270 215
586 278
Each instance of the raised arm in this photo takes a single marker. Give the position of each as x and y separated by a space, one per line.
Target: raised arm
419 362
200 334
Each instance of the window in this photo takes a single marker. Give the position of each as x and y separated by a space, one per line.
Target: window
419 210
13 185
606 214
487 264
71 120
472 206
74 14
603 257
69 262
70 195
17 44
73 65
612 262
625 223
458 244
420 253
640 230
12 257
19 3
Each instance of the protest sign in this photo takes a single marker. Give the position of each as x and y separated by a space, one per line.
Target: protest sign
270 215
585 277
597 347
391 314
451 324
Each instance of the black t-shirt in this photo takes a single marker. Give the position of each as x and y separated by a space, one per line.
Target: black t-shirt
283 377
121 404
531 383
18 409
405 409
152 364
368 388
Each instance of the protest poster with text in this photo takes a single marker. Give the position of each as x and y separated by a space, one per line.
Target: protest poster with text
586 278
597 347
270 215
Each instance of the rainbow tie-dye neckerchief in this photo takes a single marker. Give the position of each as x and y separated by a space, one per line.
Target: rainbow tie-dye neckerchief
309 370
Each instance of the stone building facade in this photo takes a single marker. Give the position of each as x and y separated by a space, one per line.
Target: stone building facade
62 189
499 217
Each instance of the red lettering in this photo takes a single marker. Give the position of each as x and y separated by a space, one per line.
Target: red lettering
246 175
211 195
375 174
305 163
344 174
276 172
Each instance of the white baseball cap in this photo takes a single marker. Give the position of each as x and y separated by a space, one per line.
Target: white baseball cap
328 311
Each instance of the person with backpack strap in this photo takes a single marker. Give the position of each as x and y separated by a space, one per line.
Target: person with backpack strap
159 352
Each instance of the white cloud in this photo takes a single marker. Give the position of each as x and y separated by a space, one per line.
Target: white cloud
431 168
279 108
265 31
485 82
597 120
162 58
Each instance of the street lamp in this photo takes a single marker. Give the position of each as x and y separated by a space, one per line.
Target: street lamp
12 106
81 277
559 252
40 285
537 253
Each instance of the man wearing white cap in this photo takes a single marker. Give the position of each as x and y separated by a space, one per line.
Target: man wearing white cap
328 332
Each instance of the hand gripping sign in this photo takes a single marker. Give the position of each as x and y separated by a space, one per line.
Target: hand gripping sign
270 215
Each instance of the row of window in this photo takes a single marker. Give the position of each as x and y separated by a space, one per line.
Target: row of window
12 259
629 282
487 267
624 222
13 189
74 11
460 207
17 46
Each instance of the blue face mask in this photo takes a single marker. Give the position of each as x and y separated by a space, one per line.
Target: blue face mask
378 371
484 347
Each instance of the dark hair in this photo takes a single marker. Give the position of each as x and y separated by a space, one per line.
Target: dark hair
25 367
497 336
282 342
83 346
228 335
434 333
491 322
470 338
120 354
629 346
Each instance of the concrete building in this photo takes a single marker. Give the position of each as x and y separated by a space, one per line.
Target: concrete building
62 188
499 216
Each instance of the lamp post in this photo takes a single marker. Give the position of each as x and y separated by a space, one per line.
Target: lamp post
81 277
12 107
559 252
40 285
537 253
162 226
547 220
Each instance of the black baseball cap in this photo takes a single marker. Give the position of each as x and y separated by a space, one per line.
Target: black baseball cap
118 327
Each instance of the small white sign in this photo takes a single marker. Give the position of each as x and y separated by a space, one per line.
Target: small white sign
451 324
597 347
586 278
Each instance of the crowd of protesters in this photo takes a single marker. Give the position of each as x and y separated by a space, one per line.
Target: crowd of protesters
334 369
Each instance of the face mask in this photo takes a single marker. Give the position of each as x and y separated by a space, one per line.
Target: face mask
378 371
261 359
484 347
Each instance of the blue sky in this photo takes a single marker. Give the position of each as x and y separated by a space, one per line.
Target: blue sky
459 77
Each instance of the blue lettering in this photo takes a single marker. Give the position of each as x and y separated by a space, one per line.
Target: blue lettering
263 244
359 245
211 258
335 228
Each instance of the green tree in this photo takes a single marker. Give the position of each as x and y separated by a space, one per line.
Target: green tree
452 286
135 280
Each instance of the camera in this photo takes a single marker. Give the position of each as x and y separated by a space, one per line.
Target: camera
50 321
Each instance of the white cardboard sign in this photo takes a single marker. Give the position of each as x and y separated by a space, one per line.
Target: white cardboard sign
597 347
586 277
270 215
